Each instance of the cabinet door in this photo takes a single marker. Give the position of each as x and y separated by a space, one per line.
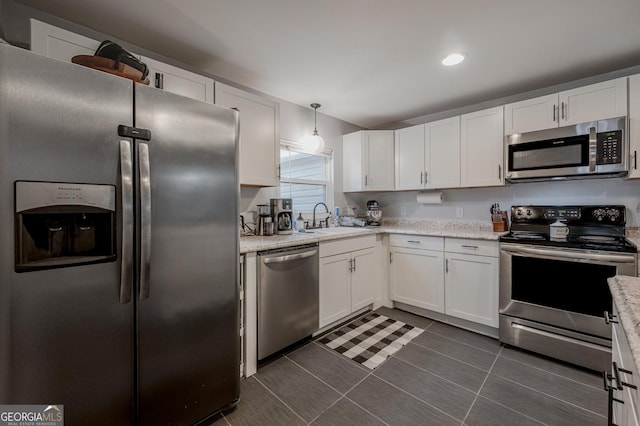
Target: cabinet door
364 279
335 288
409 158
259 137
471 288
417 278
634 125
594 102
443 153
378 151
352 162
531 114
60 44
181 82
481 146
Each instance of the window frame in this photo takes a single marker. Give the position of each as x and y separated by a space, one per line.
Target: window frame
328 183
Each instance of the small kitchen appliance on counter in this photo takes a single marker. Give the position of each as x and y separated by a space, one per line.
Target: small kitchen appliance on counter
265 221
374 213
554 266
282 214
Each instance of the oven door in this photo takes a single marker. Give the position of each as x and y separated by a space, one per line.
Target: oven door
552 300
561 287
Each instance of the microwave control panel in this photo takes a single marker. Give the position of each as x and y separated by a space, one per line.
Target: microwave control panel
609 147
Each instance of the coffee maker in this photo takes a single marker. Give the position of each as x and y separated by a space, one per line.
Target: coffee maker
265 222
282 214
374 214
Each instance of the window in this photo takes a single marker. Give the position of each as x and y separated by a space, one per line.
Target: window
304 177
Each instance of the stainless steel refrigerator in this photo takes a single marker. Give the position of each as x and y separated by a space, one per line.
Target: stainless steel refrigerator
118 247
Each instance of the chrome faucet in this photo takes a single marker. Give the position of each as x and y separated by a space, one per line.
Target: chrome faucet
313 224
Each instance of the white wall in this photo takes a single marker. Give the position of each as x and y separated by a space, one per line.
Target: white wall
477 201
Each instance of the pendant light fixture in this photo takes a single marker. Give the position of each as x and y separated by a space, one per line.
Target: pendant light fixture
314 142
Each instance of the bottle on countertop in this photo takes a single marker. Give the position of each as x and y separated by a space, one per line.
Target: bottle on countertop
336 216
300 223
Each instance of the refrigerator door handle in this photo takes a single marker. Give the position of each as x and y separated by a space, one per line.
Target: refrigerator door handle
145 219
126 261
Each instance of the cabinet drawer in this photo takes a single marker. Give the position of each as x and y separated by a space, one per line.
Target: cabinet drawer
416 242
476 247
346 245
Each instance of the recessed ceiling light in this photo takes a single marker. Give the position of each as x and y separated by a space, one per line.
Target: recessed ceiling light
453 59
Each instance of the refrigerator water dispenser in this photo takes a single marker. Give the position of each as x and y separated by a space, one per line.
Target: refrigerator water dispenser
63 224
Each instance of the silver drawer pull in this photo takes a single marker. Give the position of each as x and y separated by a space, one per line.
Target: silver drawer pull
413 241
469 247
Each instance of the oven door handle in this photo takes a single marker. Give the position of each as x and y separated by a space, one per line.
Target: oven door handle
571 255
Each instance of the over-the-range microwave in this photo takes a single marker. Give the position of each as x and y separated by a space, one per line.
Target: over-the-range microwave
593 149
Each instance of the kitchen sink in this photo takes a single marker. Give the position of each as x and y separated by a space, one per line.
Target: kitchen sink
338 230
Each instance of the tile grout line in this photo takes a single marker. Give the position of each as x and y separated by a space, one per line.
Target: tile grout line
342 395
481 386
552 373
451 357
278 398
464 343
550 396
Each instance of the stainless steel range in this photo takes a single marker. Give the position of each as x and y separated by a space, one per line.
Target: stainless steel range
554 266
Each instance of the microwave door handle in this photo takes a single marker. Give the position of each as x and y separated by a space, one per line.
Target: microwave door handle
593 147
126 258
145 220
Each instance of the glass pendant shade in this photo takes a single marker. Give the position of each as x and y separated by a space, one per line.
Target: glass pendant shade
314 142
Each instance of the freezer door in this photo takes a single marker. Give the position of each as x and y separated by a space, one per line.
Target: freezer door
188 318
65 338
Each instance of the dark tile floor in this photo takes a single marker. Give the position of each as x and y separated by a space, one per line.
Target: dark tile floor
445 376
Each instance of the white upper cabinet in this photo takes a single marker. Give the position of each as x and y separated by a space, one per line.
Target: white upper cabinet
259 135
175 80
368 161
589 103
410 157
61 44
442 154
427 156
481 148
634 125
531 114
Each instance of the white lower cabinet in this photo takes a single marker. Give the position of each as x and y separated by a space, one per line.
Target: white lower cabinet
471 280
624 399
456 277
348 278
416 273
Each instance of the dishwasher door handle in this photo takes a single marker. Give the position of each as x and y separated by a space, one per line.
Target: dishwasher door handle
290 257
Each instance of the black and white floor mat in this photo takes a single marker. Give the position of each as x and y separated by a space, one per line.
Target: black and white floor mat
371 339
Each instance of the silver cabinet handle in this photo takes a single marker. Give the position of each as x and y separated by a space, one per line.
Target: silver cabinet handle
635 160
390 257
350 265
145 220
414 241
554 113
126 192
446 266
469 247
609 318
354 264
426 178
564 115
499 172
421 177
289 257
159 80
366 180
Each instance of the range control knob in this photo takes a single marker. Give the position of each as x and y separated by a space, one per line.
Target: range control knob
599 214
613 214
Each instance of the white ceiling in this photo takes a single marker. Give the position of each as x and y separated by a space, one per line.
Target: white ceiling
371 62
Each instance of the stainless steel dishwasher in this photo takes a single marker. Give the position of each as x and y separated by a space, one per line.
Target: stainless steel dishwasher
288 296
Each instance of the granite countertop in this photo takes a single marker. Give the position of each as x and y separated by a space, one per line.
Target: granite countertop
451 229
626 295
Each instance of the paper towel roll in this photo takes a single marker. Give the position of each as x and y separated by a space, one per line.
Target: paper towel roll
430 197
